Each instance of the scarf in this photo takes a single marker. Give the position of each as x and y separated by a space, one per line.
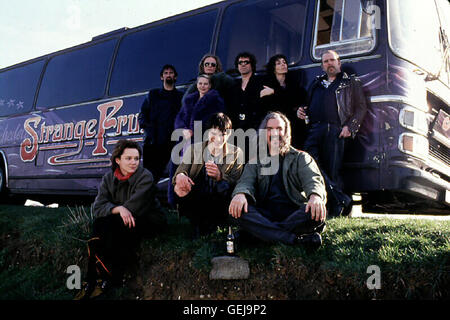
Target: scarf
118 174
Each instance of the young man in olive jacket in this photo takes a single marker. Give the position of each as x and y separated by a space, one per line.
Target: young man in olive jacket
281 197
207 175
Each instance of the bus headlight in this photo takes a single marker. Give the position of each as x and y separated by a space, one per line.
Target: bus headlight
414 120
414 145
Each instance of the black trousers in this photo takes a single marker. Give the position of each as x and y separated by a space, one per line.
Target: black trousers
156 158
112 247
325 146
258 223
204 210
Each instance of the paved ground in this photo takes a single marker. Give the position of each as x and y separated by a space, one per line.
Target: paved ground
357 213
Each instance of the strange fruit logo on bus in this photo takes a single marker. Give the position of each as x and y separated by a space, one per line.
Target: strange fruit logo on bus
73 135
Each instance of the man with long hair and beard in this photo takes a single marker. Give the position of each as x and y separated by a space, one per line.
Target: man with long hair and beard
280 198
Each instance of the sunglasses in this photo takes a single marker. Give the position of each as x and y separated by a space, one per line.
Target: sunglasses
243 62
212 64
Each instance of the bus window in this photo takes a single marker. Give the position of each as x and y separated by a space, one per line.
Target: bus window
444 13
18 87
76 76
141 55
346 26
415 35
264 28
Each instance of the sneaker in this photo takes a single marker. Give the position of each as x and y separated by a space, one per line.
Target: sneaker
99 289
311 242
85 291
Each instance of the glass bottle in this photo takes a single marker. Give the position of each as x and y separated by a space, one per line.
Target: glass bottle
230 242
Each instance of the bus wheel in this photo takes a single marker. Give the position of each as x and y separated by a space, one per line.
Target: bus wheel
3 193
2 181
5 197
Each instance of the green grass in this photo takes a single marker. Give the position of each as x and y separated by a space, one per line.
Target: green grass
38 244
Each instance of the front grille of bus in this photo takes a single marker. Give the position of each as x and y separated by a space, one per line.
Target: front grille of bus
439 152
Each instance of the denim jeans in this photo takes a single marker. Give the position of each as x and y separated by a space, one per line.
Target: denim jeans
257 223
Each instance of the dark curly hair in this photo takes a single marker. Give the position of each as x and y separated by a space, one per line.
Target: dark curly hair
270 68
246 55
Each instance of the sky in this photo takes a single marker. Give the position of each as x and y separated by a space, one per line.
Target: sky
32 28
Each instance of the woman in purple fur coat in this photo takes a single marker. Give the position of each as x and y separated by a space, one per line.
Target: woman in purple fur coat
199 106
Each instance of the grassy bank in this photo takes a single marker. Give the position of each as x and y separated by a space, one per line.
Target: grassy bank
38 244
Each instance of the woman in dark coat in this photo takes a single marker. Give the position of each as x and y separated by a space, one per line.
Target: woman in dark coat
126 209
282 92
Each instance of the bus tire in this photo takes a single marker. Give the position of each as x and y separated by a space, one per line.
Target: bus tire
3 193
2 181
5 197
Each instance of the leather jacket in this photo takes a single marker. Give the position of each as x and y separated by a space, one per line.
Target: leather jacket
350 99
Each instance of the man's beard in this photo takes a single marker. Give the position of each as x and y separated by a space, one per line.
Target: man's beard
246 72
276 142
281 146
332 71
170 81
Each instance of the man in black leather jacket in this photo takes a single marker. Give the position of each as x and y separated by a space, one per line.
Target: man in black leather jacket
336 110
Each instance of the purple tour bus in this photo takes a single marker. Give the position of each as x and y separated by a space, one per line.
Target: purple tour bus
62 113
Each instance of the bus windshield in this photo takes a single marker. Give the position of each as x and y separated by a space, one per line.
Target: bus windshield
415 34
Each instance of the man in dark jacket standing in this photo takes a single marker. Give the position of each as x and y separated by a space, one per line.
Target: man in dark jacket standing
245 110
157 118
336 110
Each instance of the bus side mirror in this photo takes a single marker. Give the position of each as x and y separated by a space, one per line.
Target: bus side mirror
369 8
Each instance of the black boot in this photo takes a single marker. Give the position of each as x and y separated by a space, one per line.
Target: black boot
310 227
310 242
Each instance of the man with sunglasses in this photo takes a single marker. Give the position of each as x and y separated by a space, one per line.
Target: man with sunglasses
245 111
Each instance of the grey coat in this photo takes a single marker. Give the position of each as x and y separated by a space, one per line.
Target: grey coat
137 194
